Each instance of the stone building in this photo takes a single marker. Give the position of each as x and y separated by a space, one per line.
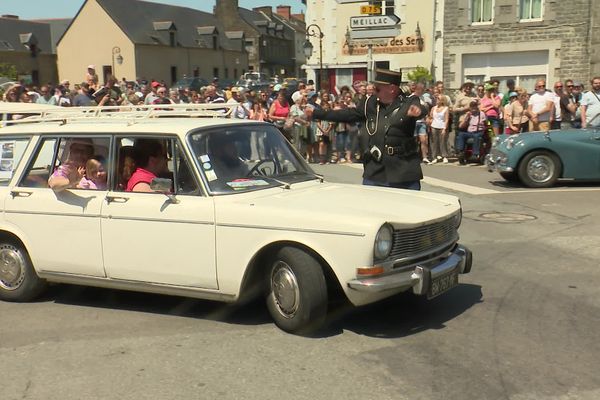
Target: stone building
520 39
139 39
345 61
28 46
269 44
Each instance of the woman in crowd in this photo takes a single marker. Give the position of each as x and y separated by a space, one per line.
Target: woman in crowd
300 128
516 115
490 106
324 129
279 111
439 116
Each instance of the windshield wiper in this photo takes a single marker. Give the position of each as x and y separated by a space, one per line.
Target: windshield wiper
311 174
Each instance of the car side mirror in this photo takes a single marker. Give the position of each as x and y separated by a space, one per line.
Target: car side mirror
163 185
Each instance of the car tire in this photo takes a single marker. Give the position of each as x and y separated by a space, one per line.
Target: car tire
509 176
18 280
539 169
296 291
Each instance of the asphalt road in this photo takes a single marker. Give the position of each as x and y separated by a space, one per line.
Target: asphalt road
523 325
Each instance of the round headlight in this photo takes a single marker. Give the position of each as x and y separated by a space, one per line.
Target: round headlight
510 142
383 242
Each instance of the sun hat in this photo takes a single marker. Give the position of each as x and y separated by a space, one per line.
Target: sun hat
296 96
277 87
489 86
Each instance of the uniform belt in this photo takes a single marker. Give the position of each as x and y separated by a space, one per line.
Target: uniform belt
400 150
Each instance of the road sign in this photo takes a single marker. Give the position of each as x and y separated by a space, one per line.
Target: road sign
374 21
370 9
374 33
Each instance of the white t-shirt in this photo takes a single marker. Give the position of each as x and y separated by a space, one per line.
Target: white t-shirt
538 103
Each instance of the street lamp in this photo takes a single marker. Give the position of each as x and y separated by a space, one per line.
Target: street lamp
314 30
116 51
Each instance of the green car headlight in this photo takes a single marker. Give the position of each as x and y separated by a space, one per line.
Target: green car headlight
383 242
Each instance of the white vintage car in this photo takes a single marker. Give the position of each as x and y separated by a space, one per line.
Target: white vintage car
236 212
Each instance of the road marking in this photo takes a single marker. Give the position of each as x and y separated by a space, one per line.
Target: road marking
474 190
460 187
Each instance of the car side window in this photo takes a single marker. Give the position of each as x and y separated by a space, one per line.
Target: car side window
11 153
185 177
69 163
141 159
40 166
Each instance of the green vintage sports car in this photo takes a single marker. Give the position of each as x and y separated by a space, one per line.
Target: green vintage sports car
539 159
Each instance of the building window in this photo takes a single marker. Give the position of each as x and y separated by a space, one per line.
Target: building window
172 39
531 10
173 74
226 73
215 72
482 11
215 42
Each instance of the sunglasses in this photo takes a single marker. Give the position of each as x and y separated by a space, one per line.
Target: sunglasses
558 87
540 86
569 85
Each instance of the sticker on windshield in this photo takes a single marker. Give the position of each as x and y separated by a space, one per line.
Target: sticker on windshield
205 158
246 183
207 166
210 175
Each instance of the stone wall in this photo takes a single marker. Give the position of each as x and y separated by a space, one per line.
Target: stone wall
567 23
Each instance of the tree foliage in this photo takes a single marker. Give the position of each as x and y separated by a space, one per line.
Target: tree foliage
8 71
420 74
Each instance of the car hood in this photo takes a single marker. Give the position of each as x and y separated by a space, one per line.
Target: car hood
347 207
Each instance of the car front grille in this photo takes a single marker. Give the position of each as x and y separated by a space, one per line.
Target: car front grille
416 243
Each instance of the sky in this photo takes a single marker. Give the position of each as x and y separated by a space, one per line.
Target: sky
41 9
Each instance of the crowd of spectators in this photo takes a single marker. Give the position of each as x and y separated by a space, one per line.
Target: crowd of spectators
473 111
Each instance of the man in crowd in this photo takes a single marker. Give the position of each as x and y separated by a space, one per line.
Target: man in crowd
560 105
573 96
83 98
47 97
392 158
541 108
510 84
590 105
153 95
91 77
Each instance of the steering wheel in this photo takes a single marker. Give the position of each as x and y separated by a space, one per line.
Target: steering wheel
255 170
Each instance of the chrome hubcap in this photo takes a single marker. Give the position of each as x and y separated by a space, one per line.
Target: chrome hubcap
284 287
540 169
12 268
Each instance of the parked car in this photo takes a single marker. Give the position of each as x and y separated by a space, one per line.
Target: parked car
540 159
192 83
233 216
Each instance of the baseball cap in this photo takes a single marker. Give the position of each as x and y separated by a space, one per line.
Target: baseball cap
578 84
155 84
513 94
296 96
91 66
489 86
311 94
277 87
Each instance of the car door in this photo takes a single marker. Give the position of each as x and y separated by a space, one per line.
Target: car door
579 150
152 237
60 229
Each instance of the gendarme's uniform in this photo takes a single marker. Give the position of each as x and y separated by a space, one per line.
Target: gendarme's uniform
392 131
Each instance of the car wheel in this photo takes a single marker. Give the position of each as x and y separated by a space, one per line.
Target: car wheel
509 176
18 280
539 169
296 291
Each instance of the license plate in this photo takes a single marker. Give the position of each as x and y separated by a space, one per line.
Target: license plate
442 284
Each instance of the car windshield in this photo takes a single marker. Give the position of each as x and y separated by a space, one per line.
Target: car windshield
242 158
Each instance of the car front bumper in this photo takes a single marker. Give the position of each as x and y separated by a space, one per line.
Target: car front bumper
497 162
418 278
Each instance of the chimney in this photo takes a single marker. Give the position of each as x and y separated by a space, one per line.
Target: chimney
299 17
266 9
284 11
225 7
10 16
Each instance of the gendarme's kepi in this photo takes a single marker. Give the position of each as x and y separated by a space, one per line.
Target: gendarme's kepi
386 76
